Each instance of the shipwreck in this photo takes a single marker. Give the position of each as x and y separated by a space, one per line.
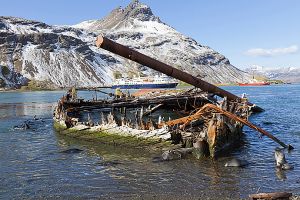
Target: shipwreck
205 119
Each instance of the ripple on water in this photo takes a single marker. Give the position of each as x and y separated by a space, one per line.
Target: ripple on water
33 167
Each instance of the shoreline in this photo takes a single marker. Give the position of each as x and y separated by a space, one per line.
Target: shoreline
180 86
22 90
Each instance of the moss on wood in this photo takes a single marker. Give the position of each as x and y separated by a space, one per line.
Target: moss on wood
112 138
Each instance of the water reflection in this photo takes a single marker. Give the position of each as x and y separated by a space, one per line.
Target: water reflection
9 110
280 174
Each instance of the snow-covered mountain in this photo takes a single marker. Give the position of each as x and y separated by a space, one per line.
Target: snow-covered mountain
66 55
286 74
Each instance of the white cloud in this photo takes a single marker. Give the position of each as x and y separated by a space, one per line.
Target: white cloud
272 52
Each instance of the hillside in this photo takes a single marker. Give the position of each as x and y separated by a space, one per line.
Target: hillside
65 56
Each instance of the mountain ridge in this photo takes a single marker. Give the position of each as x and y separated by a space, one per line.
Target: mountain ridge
286 74
66 55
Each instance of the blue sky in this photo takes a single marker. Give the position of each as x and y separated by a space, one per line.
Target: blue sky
248 32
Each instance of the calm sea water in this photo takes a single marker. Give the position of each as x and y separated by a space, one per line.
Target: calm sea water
32 165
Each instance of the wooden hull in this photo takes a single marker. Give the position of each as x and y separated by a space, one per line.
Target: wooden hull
121 117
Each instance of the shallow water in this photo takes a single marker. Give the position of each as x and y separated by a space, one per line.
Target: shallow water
33 164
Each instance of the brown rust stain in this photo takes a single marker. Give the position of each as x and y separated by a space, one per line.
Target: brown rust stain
212 133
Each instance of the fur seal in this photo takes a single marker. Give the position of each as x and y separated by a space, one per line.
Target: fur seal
281 162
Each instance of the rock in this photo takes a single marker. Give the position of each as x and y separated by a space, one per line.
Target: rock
72 150
23 126
176 154
201 149
171 155
157 159
109 163
236 163
287 166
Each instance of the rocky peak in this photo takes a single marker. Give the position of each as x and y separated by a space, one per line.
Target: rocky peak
139 11
120 18
22 22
